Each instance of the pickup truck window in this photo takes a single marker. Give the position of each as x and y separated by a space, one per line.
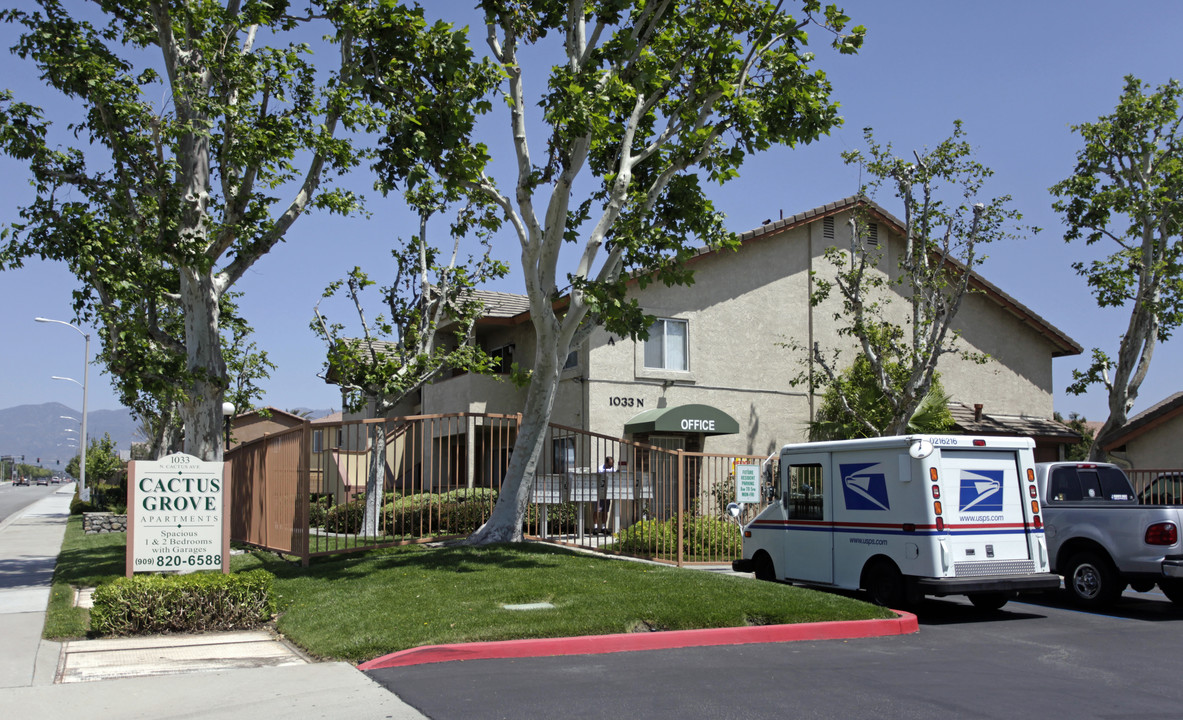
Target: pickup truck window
1071 483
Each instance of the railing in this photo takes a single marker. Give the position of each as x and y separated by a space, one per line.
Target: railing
303 491
1157 487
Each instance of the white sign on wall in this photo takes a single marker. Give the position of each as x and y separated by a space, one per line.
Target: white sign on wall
176 509
747 484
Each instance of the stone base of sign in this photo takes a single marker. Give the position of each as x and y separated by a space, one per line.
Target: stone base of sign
104 522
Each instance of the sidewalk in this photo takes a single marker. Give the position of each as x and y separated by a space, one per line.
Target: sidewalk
29 666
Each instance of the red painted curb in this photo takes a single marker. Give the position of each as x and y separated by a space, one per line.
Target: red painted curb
624 642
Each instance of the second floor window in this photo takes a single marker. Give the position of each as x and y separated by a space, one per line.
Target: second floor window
666 348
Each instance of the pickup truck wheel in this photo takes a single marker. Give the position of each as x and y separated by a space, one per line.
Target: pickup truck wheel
1091 580
1173 589
989 601
764 568
884 584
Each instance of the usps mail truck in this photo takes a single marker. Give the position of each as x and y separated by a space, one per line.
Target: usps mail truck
903 517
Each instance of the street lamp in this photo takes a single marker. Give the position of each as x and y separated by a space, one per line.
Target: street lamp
227 413
83 492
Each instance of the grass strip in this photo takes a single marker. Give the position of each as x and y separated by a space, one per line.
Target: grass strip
356 609
365 605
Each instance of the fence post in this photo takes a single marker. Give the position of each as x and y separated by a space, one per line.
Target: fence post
681 501
304 494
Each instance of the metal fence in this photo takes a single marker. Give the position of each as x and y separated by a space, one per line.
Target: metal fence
1157 487
303 491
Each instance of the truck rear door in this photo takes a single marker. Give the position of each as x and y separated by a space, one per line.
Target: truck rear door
985 510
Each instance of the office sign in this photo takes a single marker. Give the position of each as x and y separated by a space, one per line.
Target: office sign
178 518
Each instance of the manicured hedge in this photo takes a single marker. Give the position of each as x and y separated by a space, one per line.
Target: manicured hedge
199 602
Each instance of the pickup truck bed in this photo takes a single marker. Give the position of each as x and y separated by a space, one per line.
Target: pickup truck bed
1101 540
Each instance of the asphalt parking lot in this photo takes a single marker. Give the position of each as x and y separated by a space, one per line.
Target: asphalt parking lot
1035 658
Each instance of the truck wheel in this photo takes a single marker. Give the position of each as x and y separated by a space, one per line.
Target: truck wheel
1091 580
989 601
764 567
884 584
1173 589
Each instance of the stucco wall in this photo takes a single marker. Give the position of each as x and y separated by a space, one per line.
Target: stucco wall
745 307
1159 447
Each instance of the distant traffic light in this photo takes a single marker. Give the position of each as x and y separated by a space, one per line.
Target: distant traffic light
38 461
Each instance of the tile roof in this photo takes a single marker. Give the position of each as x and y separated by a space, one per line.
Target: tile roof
1019 425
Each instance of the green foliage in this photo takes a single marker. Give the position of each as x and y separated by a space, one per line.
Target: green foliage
1127 188
856 387
945 225
702 537
1077 422
198 602
173 189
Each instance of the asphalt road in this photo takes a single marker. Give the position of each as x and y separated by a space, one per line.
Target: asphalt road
1040 659
14 498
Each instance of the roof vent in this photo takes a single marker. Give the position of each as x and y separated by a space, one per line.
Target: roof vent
977 412
873 234
828 227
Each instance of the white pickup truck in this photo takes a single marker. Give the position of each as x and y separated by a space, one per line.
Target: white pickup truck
1101 539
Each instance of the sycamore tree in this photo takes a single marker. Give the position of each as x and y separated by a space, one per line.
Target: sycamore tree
205 130
425 328
608 150
946 222
1126 192
858 388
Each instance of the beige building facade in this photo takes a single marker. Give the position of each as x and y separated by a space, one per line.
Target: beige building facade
724 341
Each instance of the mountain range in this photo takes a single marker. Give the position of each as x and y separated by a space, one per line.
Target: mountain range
41 431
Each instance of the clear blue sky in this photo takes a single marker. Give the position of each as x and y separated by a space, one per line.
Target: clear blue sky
1018 74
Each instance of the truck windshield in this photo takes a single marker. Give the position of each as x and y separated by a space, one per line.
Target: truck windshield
1069 483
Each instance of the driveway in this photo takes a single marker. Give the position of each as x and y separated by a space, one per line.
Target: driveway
1031 659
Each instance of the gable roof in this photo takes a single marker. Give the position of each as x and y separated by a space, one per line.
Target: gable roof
509 308
271 413
1063 344
1148 419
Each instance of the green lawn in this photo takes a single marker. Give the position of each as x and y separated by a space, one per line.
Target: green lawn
359 607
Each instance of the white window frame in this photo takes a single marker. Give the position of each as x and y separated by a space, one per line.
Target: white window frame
658 329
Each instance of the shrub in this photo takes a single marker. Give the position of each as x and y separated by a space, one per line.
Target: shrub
201 602
561 518
457 512
346 517
702 537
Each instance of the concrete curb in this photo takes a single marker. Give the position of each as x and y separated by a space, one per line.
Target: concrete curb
904 624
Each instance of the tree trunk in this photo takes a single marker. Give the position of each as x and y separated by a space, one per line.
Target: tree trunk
201 412
375 479
505 524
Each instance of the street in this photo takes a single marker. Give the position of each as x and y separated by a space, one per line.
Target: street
14 498
1037 658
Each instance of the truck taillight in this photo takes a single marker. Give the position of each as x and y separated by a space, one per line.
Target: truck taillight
979 443
1163 533
932 474
936 492
747 533
936 507
1034 507
1038 523
1030 475
940 524
1031 491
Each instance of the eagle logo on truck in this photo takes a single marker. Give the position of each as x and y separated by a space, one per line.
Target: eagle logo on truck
981 491
864 490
